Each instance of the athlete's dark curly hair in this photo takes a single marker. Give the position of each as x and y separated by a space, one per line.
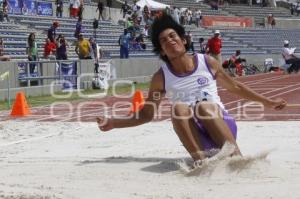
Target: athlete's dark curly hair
159 25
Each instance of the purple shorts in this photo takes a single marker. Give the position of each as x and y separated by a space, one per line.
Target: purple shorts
206 140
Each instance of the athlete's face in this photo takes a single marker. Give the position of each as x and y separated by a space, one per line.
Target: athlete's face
172 45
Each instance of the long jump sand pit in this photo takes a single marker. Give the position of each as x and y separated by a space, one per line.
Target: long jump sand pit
76 160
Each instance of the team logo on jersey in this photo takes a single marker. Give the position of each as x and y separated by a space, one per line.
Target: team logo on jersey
202 80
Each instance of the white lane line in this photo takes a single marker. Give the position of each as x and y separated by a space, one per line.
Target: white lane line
271 114
251 83
263 80
288 91
283 88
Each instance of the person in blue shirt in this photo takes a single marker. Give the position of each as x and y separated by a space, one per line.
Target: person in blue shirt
124 44
51 34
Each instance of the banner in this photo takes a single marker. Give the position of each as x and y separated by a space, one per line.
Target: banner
44 8
15 7
22 69
69 73
225 21
29 7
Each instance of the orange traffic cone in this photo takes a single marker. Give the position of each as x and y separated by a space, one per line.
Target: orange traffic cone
20 107
137 101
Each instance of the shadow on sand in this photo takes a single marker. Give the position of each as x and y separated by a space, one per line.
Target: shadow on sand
162 165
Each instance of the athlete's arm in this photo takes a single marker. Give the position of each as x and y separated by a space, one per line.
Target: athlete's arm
146 114
240 89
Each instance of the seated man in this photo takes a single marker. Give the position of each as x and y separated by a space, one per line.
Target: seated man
290 57
236 60
140 40
233 66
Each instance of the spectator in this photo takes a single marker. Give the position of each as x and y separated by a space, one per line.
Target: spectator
78 28
290 58
49 48
167 10
202 46
1 11
4 6
273 23
100 8
71 2
214 46
135 28
141 43
139 14
81 8
214 5
59 8
132 42
51 35
32 51
124 9
95 27
124 44
109 4
235 61
94 53
129 24
182 18
198 17
74 8
270 18
176 15
145 31
83 48
134 8
61 50
93 46
292 8
146 14
2 56
189 16
189 41
99 55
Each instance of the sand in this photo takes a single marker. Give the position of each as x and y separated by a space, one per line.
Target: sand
75 160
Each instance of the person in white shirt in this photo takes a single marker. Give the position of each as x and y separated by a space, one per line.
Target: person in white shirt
198 17
176 14
290 57
190 82
134 7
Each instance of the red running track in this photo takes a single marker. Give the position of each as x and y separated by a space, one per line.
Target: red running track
270 85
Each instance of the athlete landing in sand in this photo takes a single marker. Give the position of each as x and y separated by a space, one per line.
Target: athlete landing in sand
189 81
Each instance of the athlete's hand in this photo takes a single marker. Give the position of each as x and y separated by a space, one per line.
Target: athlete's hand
104 123
277 103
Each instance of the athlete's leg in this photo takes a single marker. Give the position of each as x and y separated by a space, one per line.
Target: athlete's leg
185 127
211 117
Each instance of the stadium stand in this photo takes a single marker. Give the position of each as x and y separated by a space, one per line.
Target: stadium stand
270 40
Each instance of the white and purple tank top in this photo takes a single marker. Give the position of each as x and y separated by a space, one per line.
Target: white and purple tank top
198 85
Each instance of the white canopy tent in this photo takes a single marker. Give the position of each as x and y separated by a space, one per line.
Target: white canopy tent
152 5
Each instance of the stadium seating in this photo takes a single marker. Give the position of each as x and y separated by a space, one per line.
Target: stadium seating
249 40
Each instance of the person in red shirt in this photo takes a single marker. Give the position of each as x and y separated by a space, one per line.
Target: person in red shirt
214 46
49 48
